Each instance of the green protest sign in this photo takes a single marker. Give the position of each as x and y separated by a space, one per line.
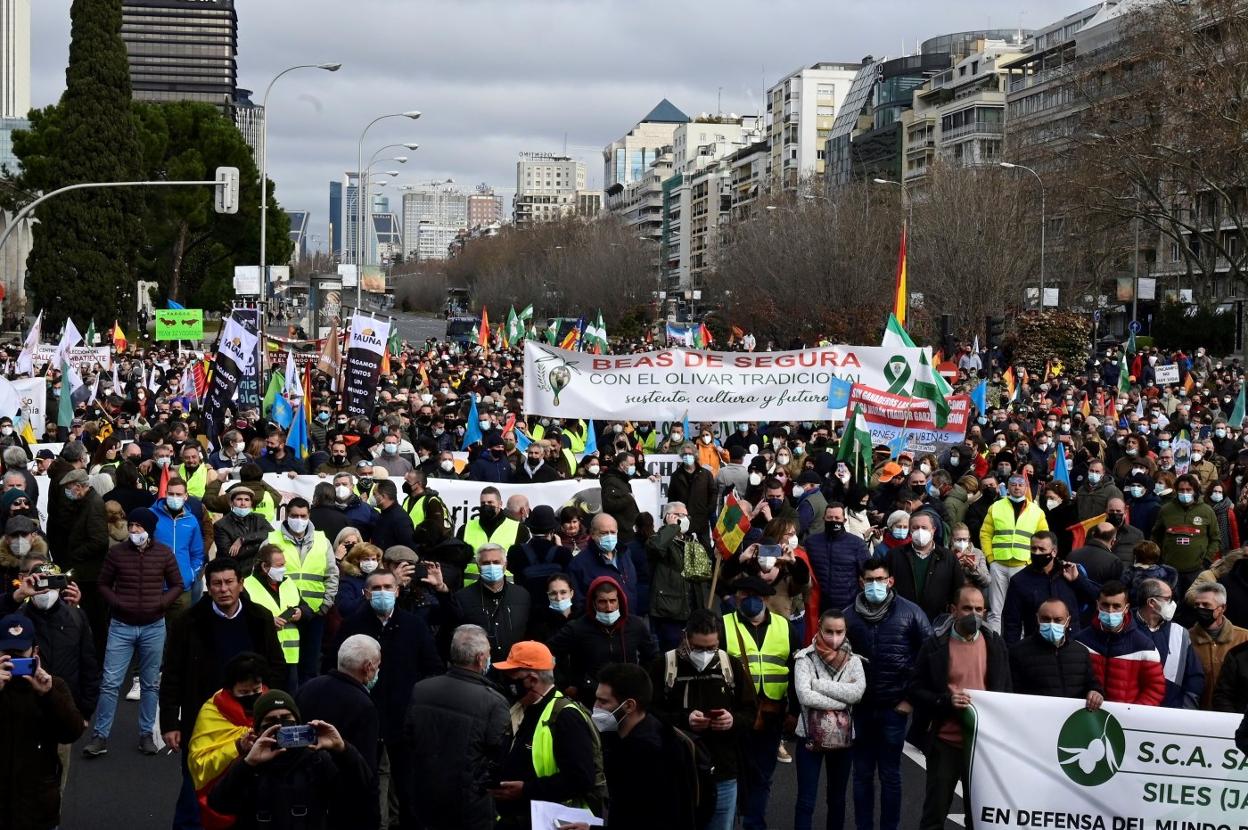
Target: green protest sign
180 324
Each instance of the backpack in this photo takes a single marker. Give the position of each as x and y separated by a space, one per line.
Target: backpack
669 669
691 761
538 570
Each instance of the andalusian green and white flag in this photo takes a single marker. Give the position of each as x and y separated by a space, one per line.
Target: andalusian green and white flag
595 338
1124 375
515 329
552 332
931 387
855 447
895 336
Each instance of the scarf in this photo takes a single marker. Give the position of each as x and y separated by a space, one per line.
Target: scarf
826 651
872 614
1221 510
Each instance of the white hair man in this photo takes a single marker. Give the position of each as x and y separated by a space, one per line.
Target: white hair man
458 726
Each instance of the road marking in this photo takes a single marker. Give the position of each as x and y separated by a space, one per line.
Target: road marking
912 752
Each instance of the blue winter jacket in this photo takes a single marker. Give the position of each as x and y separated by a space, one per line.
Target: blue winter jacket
185 538
589 565
889 647
835 559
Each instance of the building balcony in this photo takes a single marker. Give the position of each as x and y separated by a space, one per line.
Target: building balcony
976 128
914 148
1042 77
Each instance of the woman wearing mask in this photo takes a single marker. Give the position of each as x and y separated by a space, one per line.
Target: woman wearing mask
562 606
1228 523
21 538
896 533
354 569
971 558
1164 489
788 574
757 474
1060 511
828 680
223 731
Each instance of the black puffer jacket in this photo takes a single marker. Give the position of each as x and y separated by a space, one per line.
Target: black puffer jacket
618 502
459 729
890 647
1236 584
504 616
67 650
583 646
1040 668
696 490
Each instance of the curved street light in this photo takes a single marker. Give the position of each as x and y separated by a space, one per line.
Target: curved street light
361 176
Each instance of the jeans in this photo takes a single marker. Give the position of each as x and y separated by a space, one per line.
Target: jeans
946 766
123 640
725 815
999 577
758 767
809 763
879 736
311 636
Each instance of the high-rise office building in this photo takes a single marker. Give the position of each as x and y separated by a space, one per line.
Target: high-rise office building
14 58
432 218
298 235
182 50
335 221
484 207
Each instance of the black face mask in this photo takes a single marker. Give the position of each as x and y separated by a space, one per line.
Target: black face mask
514 690
969 625
775 504
1041 561
1204 616
248 702
487 512
1114 519
340 460
835 527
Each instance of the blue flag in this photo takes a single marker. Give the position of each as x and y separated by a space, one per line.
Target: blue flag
979 396
1060 473
472 432
281 413
297 438
897 446
838 393
173 304
522 441
591 440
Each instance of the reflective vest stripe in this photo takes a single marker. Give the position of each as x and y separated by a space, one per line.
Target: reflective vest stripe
288 595
307 572
769 667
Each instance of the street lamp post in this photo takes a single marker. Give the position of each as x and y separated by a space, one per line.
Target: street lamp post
264 167
1008 166
361 193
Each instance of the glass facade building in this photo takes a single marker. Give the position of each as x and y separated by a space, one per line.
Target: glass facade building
182 50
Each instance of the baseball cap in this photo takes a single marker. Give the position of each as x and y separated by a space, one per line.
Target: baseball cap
888 472
17 634
528 654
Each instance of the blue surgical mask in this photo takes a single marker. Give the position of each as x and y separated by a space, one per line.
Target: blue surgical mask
751 606
607 542
1053 632
1110 619
1186 498
390 449
876 592
241 512
630 470
323 417
382 601
900 532
607 617
174 503
492 573
688 459
561 605
1094 478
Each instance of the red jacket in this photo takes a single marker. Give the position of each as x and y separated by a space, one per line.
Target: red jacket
1126 662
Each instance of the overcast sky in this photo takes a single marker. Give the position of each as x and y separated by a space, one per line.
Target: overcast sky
497 77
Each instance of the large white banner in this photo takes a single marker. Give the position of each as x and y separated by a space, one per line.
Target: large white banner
706 386
463 498
82 358
1122 767
33 396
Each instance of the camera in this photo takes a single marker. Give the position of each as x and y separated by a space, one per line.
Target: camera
58 582
293 737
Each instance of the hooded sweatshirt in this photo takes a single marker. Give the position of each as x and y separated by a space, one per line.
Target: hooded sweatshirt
585 645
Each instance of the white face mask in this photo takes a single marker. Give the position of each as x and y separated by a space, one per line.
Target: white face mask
447 465
239 447
1053 504
961 544
756 479
922 537
139 539
792 540
45 600
277 574
701 658
1166 609
342 492
766 563
297 525
20 545
368 565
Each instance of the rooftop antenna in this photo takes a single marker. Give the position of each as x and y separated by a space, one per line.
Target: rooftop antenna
719 103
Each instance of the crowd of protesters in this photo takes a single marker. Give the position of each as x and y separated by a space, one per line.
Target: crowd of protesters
356 660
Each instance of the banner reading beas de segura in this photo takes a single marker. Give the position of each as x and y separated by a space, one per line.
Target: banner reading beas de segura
1122 767
708 386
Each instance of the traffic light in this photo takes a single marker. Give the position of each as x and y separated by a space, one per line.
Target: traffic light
996 331
947 342
226 190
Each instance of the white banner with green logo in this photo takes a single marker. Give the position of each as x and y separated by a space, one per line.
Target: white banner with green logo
1050 763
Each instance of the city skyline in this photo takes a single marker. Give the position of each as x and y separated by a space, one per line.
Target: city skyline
491 92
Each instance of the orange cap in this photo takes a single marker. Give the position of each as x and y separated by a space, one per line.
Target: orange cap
528 654
888 472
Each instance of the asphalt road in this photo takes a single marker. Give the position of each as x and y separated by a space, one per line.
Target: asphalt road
127 789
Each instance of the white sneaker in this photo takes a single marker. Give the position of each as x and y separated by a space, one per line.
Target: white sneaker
133 694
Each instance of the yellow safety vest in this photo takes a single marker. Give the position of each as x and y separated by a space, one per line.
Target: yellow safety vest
1008 540
769 667
474 536
266 508
287 597
544 763
308 572
576 440
195 484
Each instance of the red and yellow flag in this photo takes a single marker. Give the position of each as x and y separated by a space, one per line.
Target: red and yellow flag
731 527
119 337
900 295
1079 530
1084 408
1010 383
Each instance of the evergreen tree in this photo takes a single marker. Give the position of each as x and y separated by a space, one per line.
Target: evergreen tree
85 243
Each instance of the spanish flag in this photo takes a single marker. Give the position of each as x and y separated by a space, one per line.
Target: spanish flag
900 295
1079 530
1084 409
483 336
119 338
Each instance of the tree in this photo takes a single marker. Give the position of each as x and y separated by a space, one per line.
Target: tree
84 253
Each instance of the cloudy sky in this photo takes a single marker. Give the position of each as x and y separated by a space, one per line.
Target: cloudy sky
497 77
